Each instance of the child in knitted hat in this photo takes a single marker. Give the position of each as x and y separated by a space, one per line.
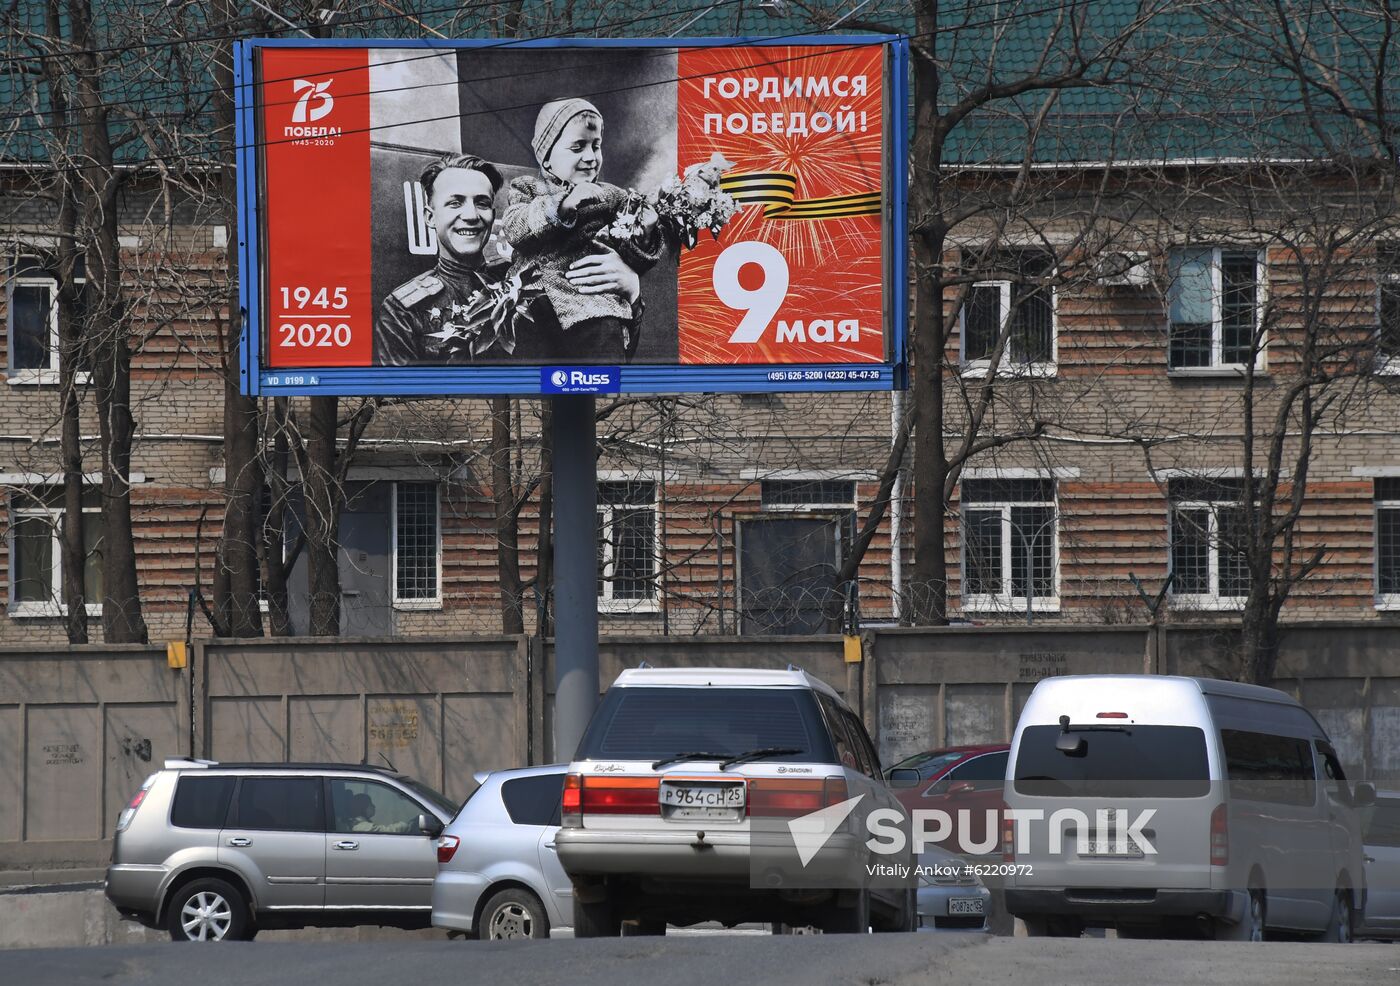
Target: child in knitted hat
551 221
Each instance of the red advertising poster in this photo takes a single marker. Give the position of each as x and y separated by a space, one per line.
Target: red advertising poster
571 205
315 131
796 276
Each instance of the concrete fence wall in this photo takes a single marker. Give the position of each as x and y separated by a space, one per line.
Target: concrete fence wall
80 727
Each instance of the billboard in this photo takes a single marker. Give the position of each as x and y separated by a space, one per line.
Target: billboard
571 216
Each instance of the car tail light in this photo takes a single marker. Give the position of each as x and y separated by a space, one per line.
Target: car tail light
789 797
129 812
1008 835
1112 715
570 809
613 795
1219 836
447 848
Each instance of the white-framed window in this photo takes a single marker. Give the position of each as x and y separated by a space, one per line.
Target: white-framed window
32 303
1010 545
1214 304
1388 309
1387 496
36 552
1017 298
416 545
1207 523
628 545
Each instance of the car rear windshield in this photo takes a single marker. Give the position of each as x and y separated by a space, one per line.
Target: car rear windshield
1128 762
642 723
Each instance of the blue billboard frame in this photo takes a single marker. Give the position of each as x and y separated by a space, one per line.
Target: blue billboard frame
533 379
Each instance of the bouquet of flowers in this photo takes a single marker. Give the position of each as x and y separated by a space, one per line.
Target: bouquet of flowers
683 205
489 317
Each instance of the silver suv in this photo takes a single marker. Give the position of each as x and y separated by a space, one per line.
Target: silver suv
685 785
214 851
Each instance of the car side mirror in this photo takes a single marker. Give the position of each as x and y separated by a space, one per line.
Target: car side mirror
430 825
1363 795
903 777
961 787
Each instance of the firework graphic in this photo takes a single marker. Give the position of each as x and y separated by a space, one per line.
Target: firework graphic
834 267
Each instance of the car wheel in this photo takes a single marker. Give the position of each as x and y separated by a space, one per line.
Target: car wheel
513 913
1340 923
598 920
853 919
643 929
207 910
1252 927
903 918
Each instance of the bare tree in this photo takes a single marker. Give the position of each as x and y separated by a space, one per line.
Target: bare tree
236 574
83 150
1316 194
71 332
972 71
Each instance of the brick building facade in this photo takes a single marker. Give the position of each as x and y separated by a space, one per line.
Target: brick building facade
730 513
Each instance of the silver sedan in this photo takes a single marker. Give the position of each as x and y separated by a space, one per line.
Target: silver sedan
950 895
498 871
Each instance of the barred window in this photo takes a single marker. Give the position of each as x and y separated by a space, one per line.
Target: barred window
1012 296
1387 494
1213 306
417 540
626 543
1208 531
1010 544
36 551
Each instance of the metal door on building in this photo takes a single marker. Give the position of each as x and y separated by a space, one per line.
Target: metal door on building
366 601
787 573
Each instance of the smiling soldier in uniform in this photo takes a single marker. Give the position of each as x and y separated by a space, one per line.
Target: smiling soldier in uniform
460 195
460 192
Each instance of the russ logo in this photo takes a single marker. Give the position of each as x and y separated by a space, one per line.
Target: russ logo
314 100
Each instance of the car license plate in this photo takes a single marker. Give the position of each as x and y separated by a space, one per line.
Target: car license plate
701 799
964 905
1111 848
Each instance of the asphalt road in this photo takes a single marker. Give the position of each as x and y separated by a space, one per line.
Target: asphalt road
871 960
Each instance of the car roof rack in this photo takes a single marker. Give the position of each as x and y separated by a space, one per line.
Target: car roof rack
305 765
185 763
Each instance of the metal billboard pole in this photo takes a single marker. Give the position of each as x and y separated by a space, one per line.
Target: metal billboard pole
575 569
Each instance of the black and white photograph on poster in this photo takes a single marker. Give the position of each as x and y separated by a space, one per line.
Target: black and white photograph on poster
505 224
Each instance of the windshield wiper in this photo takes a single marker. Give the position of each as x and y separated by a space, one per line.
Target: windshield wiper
696 755
770 751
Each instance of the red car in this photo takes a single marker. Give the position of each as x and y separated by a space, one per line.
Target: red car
954 779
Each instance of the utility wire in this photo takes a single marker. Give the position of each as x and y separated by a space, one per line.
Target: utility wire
1020 13
431 53
175 158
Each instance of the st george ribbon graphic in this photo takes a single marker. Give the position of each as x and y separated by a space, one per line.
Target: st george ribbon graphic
776 191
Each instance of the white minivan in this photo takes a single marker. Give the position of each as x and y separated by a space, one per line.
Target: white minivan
1155 804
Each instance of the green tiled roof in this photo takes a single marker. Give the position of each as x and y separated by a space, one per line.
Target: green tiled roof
1182 89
